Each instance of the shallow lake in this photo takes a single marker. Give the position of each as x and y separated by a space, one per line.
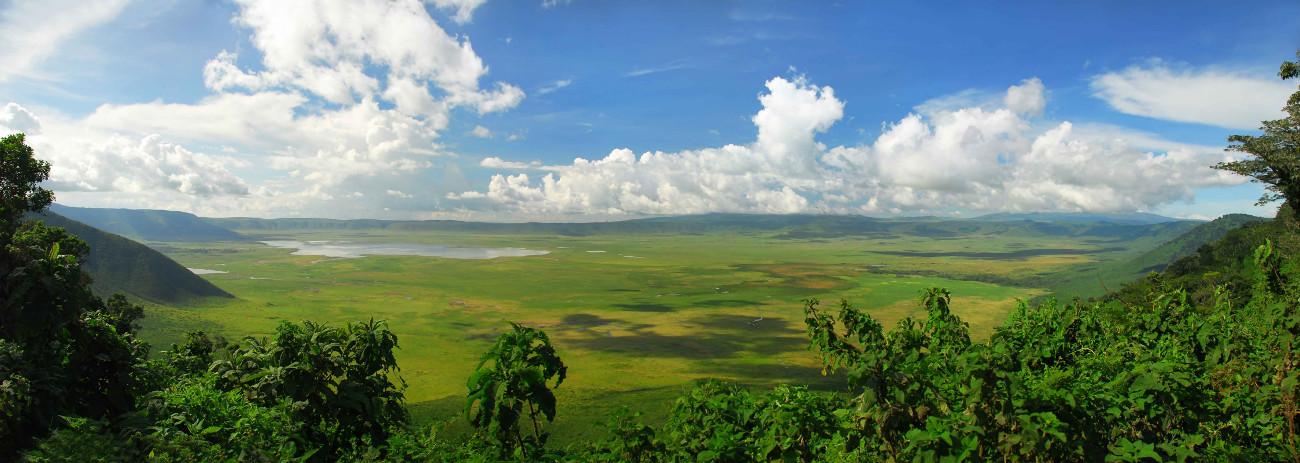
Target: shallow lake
358 249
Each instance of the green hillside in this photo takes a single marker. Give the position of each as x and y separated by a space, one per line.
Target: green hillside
148 225
121 265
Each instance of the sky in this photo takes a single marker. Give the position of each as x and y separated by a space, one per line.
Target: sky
577 110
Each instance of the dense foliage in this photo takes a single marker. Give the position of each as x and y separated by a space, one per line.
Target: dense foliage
63 351
335 382
1159 378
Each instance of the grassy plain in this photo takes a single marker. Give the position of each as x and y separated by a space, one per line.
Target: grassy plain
636 317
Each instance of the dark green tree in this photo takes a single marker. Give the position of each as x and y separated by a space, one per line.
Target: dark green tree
20 176
1275 155
63 351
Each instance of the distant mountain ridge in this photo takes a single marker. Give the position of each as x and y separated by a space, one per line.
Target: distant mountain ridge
149 225
154 225
783 226
1139 217
118 264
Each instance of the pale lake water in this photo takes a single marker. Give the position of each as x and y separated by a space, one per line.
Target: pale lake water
349 249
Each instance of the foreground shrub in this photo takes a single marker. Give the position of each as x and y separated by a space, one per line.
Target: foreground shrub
512 376
335 383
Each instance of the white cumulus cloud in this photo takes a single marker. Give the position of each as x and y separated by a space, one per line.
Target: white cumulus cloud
498 163
17 119
116 163
325 46
338 102
975 158
1027 98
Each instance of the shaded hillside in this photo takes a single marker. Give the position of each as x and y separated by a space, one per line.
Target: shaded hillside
121 265
150 225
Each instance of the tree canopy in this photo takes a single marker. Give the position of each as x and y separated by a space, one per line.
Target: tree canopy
20 176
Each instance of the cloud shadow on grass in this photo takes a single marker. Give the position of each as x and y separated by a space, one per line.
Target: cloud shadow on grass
744 324
726 303
768 375
586 320
657 308
693 347
718 337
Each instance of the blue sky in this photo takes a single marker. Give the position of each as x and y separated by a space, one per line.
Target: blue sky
581 110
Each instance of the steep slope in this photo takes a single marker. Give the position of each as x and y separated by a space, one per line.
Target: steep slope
150 225
121 265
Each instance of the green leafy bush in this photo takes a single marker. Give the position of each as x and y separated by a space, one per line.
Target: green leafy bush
519 369
336 383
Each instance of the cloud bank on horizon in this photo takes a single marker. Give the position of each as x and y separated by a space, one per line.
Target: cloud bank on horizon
968 158
342 106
